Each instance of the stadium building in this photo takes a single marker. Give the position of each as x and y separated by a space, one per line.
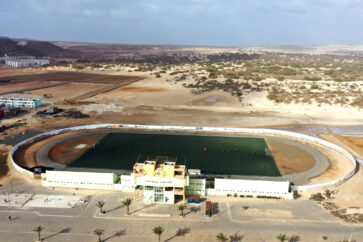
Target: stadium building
161 180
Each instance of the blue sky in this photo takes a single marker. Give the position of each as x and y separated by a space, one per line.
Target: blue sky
186 22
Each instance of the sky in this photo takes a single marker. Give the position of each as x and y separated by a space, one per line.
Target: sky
186 22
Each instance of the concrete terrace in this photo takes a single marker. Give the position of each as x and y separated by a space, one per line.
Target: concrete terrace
262 221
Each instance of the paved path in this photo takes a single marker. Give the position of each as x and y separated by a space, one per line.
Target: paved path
308 220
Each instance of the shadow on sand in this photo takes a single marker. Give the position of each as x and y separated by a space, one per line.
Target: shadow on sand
179 233
116 234
65 230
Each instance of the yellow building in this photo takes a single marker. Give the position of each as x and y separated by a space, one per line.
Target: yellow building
160 180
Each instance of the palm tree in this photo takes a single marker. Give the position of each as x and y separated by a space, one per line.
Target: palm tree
221 237
181 208
100 204
282 237
38 229
158 230
99 232
127 202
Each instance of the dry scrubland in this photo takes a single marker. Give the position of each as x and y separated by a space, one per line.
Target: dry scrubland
209 89
316 88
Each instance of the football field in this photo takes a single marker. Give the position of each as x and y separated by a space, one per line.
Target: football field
211 154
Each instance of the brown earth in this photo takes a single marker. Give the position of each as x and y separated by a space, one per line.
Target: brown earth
7 71
142 89
290 158
67 91
23 85
76 85
67 151
78 77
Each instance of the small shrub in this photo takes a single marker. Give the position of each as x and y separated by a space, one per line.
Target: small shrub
314 86
280 78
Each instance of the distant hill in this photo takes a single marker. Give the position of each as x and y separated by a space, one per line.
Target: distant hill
44 48
35 48
10 47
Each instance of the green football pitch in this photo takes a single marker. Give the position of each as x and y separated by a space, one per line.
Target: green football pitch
210 154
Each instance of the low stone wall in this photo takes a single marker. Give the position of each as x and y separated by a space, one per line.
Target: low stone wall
270 132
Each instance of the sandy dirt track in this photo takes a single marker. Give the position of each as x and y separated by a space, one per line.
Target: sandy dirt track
72 149
290 158
25 156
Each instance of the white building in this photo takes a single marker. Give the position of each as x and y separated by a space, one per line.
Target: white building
254 188
16 57
20 100
167 190
85 180
22 63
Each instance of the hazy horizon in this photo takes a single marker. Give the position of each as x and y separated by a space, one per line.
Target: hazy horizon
211 23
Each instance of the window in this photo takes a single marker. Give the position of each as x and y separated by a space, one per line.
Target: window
158 189
158 197
158 194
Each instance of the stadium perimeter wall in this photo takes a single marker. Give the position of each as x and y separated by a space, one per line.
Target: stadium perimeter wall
270 132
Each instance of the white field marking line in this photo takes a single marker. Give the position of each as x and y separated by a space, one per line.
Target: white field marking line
280 220
80 146
70 233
